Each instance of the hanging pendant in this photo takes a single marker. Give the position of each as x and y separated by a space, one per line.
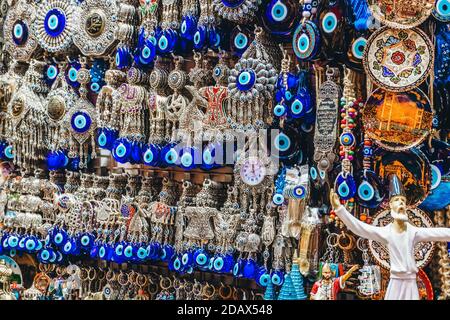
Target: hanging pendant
306 41
345 186
280 17
370 193
441 10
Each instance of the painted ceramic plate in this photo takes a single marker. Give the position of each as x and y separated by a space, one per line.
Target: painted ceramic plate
401 14
398 60
411 166
423 251
397 121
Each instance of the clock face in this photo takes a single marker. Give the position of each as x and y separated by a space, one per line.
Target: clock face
253 171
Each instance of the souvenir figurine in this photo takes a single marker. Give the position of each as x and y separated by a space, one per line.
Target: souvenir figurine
403 269
328 288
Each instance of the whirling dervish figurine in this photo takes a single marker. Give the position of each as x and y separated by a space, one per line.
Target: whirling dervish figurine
399 237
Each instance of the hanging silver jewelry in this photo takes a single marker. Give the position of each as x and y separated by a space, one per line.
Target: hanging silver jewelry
241 12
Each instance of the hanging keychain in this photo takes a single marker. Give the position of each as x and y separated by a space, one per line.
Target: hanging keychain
370 274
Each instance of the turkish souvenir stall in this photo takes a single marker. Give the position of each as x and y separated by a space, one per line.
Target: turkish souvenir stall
187 149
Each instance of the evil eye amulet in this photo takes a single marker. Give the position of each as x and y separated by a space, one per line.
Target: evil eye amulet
151 155
284 144
263 277
81 122
249 269
211 155
442 10
347 139
277 278
72 74
279 18
246 80
146 55
345 186
306 41
50 73
188 27
167 252
200 39
106 138
121 150
135 152
201 258
55 22
124 58
166 41
214 38
169 155
370 193
188 158
20 33
240 39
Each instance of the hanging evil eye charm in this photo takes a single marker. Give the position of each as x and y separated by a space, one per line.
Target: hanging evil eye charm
106 138
118 252
280 110
347 139
277 277
45 255
166 41
201 258
169 155
278 199
284 144
246 79
121 150
219 263
8 153
59 237
167 252
56 160
146 54
124 58
306 41
212 156
13 241
436 176
370 192
51 72
240 39
187 259
329 21
188 27
55 22
188 157
30 244
81 122
263 277
200 39
141 253
129 252
355 51
20 33
86 241
175 264
442 10
151 155
345 186
135 152
280 17
214 38
71 74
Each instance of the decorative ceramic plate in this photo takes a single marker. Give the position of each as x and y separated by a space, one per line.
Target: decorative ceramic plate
397 121
398 60
412 167
401 14
423 251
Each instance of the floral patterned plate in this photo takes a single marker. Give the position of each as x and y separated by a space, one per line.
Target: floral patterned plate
398 60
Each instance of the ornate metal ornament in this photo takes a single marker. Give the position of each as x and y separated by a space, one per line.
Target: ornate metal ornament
95 31
423 250
238 11
54 25
19 40
397 121
398 60
401 14
325 134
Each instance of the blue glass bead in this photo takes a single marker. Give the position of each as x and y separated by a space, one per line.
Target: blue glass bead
81 122
201 258
277 277
55 22
188 27
218 263
280 18
280 110
20 33
345 186
263 277
169 155
121 150
167 252
106 137
188 157
249 270
200 37
246 80
214 38
166 41
370 192
347 139
151 155
135 152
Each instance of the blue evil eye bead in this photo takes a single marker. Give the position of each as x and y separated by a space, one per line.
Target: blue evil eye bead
188 27
213 155
277 278
55 22
347 139
187 259
20 33
442 10
218 264
299 192
246 80
187 158
263 277
51 73
169 155
370 192
118 250
313 173
345 186
436 176
278 199
128 251
124 58
150 155
21 245
357 48
8 153
240 39
279 110
121 150
280 17
285 144
86 240
59 237
102 252
201 258
56 160
214 38
329 22
13 241
81 122
146 54
106 138
166 41
67 247
39 244
249 269
200 37
71 74
45 255
176 263
141 253
306 41
297 109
